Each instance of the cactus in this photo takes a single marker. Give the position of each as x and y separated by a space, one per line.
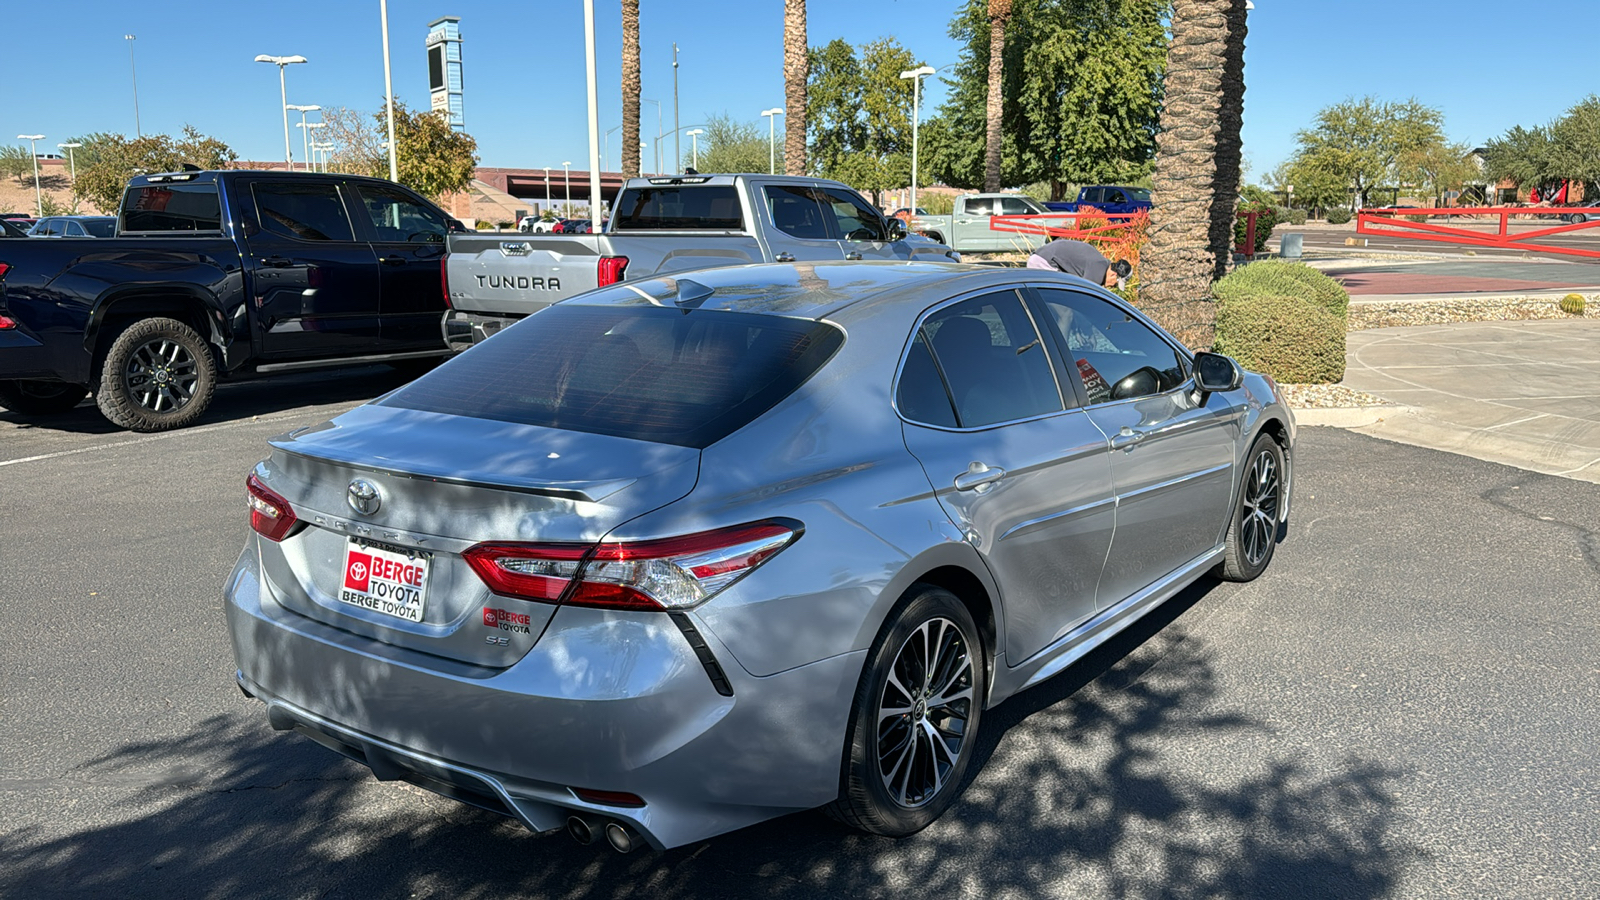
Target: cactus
1572 304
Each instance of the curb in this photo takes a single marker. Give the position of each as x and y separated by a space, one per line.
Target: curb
1345 416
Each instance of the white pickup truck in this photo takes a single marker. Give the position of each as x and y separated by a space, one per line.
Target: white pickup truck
669 224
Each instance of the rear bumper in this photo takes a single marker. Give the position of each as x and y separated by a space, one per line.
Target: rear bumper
463 329
606 701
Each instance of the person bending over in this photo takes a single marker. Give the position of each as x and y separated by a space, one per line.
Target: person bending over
1080 259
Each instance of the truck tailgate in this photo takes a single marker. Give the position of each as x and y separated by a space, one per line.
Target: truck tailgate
521 274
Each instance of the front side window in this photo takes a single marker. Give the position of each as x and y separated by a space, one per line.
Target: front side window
856 219
685 377
101 228
1115 196
178 206
398 218
75 230
992 360
302 212
801 212
1116 356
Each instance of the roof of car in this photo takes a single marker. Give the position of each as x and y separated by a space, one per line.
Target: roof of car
815 290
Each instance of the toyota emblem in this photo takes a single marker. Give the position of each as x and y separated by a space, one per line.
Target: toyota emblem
363 497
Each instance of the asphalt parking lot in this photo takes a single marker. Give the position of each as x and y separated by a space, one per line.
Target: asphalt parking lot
1407 704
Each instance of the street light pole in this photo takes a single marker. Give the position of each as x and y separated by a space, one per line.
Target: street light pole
137 129
677 139
32 139
916 75
72 160
694 145
305 138
772 138
388 92
566 175
283 62
658 134
305 132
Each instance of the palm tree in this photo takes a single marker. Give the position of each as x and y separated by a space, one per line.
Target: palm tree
630 88
1196 178
796 68
999 15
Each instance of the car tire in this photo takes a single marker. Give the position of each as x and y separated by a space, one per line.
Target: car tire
40 398
158 375
1253 530
900 769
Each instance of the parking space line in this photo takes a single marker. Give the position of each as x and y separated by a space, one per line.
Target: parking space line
147 439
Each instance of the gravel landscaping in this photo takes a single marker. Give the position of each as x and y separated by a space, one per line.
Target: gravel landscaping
1438 312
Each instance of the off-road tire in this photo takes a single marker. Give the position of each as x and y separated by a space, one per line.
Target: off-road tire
40 398
866 799
130 394
1257 513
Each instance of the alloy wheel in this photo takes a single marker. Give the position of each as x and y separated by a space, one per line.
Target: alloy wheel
924 711
161 375
1259 523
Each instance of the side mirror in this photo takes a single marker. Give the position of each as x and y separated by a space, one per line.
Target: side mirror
1215 373
895 228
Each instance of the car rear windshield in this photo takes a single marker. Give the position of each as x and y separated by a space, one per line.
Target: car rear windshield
171 207
704 207
672 376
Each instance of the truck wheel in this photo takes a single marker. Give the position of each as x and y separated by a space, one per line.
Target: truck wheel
40 398
159 374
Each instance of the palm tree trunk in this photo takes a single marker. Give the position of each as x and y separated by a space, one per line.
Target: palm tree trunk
796 69
1196 178
999 14
630 88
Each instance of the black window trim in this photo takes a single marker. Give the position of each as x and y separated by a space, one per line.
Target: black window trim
1058 341
1047 344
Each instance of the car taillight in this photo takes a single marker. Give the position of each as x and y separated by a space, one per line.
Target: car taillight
444 280
612 269
271 516
4 268
7 323
673 573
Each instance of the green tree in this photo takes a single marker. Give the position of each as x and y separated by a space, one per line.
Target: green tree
16 162
1575 143
115 160
433 159
861 114
1361 142
1435 169
1080 99
732 146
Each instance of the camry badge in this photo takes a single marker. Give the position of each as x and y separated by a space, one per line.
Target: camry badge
363 497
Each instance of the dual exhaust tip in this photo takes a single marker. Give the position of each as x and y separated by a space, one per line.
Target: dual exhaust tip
584 830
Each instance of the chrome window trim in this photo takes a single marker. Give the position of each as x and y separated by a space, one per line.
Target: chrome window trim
911 337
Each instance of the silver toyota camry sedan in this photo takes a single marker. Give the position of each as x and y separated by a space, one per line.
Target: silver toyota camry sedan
681 555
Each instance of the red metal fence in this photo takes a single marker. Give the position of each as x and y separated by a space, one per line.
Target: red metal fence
1388 223
1099 227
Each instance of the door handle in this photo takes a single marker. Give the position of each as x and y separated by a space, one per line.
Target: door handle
276 262
1127 438
853 254
785 256
978 477
392 260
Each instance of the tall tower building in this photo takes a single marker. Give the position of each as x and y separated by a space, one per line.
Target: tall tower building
444 68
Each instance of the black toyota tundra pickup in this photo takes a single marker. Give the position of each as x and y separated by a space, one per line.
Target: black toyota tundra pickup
215 275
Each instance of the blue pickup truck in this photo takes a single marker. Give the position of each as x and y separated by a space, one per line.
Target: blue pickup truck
1107 198
220 274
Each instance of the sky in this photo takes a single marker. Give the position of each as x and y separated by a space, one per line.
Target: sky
525 84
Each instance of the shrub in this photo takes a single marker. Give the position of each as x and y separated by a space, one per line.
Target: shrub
1338 215
1416 218
1265 219
1293 340
1572 304
1282 277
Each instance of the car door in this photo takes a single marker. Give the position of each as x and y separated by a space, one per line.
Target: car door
803 225
407 237
1020 241
1116 201
1022 473
314 285
862 229
1172 457
971 222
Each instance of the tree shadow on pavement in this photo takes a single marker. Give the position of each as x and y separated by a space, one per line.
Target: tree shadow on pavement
1089 788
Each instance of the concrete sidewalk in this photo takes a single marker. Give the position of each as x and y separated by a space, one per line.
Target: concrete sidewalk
1526 394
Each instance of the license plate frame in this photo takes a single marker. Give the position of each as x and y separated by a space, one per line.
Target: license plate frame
388 580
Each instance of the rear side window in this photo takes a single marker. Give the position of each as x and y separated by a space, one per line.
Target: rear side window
304 212
171 207
710 207
647 373
101 228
